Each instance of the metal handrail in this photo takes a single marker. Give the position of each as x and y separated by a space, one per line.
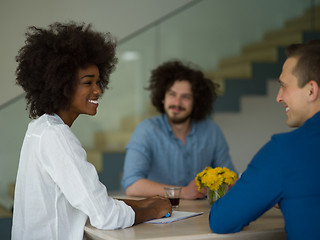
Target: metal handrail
127 38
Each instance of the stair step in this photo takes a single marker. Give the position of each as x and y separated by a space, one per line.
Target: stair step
112 141
283 32
129 123
266 51
302 22
297 24
241 70
269 54
274 42
94 156
310 14
310 10
217 80
4 213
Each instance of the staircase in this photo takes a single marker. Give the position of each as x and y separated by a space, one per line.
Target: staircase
238 76
247 73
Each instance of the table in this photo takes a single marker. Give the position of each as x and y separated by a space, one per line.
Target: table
268 226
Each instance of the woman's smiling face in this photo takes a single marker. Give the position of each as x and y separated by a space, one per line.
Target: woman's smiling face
86 95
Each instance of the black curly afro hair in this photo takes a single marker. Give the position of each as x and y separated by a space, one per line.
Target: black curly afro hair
49 61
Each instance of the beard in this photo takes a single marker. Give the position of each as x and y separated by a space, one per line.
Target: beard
176 119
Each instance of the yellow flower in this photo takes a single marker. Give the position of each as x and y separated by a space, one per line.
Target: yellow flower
213 178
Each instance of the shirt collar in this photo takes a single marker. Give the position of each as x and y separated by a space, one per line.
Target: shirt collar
169 129
56 116
313 119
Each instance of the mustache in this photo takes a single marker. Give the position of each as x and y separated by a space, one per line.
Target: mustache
179 107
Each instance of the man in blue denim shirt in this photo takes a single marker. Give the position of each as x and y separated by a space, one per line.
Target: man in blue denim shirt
169 150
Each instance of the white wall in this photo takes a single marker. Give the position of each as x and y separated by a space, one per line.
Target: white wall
202 34
247 131
120 17
223 26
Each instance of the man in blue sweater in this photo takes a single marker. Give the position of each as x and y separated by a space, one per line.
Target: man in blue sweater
285 170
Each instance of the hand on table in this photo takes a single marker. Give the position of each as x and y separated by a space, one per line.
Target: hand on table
191 191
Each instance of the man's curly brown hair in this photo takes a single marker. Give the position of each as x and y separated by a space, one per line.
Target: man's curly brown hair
50 59
203 89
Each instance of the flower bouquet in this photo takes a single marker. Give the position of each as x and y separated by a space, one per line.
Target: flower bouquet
216 180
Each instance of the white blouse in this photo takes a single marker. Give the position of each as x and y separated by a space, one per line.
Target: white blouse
57 189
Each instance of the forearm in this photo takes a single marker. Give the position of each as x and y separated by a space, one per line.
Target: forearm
145 188
149 208
136 206
253 194
143 214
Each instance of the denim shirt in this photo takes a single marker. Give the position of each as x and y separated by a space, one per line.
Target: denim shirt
154 153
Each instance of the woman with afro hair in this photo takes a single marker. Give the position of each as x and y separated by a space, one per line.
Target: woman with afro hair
63 70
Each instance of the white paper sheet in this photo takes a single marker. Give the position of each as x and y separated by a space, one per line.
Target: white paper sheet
176 216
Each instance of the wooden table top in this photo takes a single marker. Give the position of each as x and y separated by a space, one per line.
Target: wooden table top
268 226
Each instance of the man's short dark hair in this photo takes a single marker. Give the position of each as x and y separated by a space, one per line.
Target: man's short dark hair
308 65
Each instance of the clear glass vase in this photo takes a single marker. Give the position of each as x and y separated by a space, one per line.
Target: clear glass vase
213 196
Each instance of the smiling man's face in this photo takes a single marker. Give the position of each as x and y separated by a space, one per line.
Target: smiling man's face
294 98
178 102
